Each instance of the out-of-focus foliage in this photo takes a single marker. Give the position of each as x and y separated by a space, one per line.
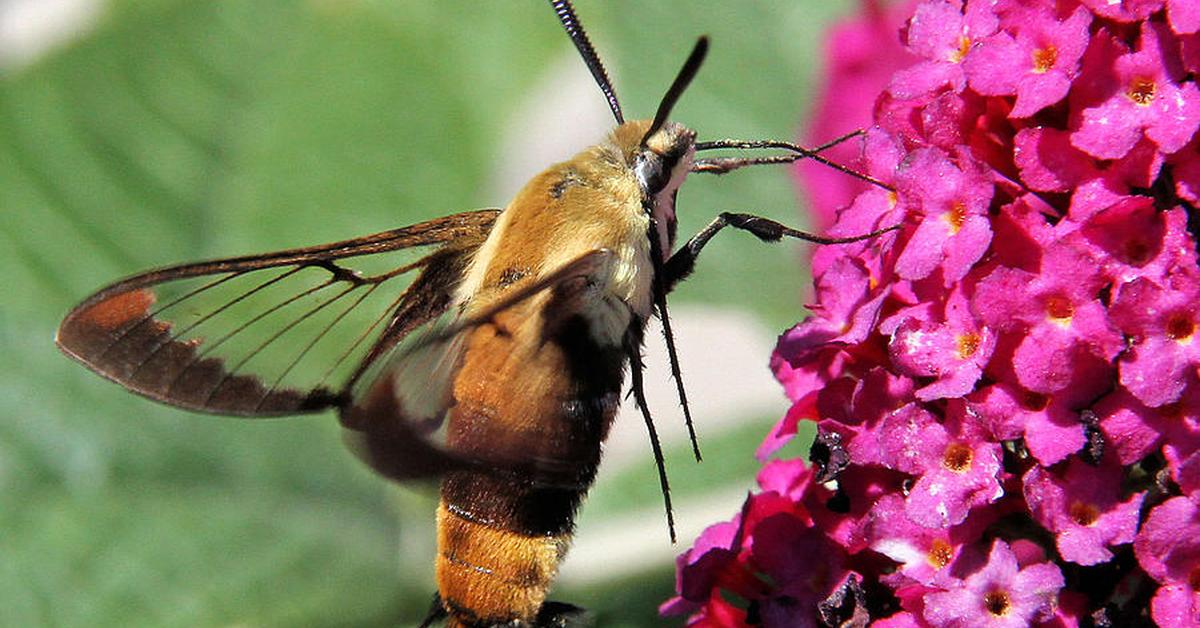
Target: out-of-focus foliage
180 130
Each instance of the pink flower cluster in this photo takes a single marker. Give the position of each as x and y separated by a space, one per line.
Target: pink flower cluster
1006 390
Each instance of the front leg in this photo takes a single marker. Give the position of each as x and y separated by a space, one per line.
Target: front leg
683 261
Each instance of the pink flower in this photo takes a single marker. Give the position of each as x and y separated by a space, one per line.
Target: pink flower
843 509
1135 239
1125 94
1130 428
1037 64
782 551
846 308
763 556
1168 548
1084 509
846 311
1054 314
1049 423
719 560
1115 182
852 408
941 32
1162 321
952 202
1000 594
953 351
924 554
1017 362
1135 431
955 468
1125 10
803 368
1048 162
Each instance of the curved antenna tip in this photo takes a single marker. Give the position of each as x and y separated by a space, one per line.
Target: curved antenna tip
688 72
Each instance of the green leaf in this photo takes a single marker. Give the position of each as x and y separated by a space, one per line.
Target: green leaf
180 130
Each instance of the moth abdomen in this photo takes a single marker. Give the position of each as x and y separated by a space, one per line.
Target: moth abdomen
536 388
488 574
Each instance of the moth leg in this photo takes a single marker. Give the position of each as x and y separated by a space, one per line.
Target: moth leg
633 349
683 262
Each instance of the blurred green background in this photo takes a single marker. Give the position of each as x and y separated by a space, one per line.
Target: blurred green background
175 130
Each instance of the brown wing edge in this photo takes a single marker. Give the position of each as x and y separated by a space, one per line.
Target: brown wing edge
114 333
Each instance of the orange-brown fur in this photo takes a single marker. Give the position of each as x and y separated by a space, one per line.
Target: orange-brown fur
522 369
493 567
521 567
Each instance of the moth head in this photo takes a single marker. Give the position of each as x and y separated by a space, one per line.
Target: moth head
664 159
658 162
659 153
662 156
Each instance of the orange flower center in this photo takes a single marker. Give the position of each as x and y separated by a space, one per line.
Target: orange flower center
997 603
968 344
1141 91
940 553
1083 514
1044 58
964 46
956 217
957 457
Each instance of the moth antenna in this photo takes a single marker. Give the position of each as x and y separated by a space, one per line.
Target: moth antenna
566 15
677 375
682 80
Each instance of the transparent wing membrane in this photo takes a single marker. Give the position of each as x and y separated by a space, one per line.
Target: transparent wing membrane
275 334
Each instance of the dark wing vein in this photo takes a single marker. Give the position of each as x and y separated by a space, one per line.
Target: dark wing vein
357 343
321 335
264 344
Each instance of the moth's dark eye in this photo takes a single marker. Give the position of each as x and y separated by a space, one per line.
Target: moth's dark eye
653 171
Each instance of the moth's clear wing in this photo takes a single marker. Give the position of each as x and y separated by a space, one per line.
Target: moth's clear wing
397 421
273 334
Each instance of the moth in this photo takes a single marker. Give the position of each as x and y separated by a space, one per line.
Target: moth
487 348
